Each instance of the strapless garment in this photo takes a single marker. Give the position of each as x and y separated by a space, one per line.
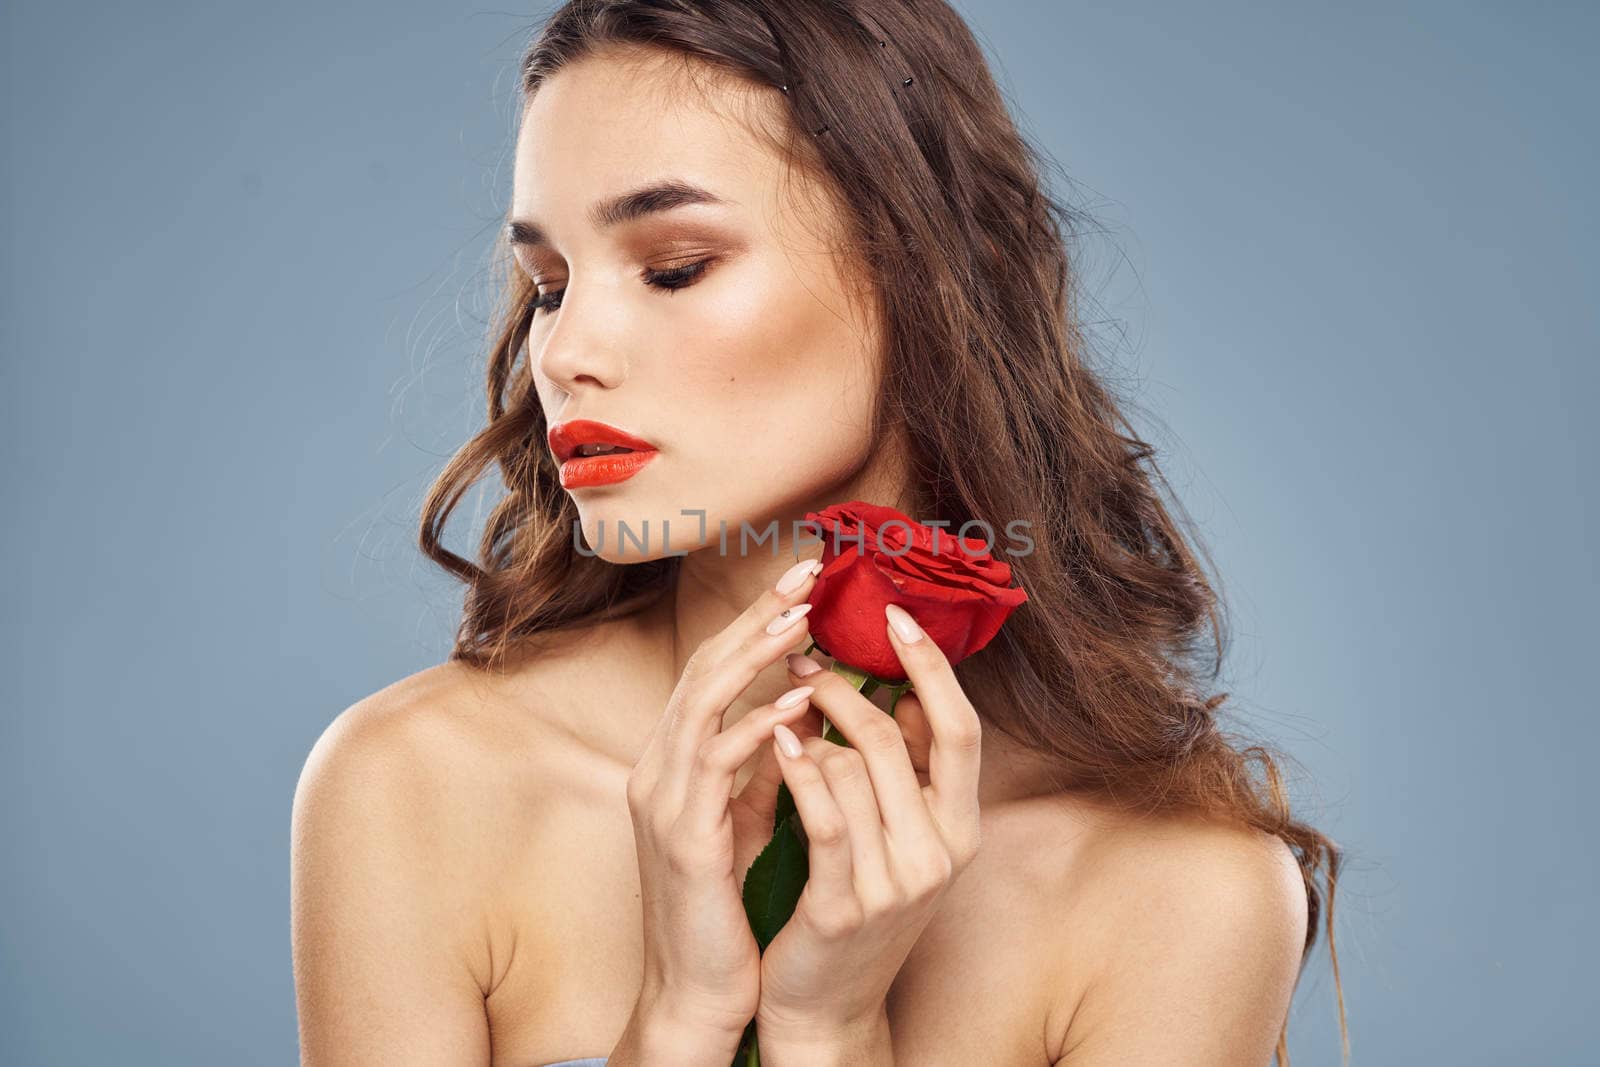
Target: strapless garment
591 1061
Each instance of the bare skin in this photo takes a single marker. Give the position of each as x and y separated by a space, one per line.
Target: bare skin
518 943
467 881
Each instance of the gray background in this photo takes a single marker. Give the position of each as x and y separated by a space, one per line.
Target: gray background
243 306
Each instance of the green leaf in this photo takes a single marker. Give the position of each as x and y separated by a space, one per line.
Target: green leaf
749 1055
856 678
774 882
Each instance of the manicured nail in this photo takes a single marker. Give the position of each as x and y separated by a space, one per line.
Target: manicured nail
905 627
794 696
795 576
787 618
787 741
802 665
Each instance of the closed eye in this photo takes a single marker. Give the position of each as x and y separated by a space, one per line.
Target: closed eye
669 280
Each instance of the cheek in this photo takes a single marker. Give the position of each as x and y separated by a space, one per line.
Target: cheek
779 430
775 355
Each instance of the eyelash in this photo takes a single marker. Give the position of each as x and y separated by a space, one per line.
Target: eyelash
669 280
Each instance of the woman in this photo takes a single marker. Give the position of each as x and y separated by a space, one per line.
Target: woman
770 256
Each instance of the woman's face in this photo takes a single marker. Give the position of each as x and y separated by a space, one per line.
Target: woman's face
754 378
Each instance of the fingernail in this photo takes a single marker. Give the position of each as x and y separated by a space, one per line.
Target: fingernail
795 576
802 665
787 741
787 618
794 696
905 627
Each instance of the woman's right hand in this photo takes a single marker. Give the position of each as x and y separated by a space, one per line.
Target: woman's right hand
702 966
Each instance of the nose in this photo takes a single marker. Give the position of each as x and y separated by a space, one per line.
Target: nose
574 354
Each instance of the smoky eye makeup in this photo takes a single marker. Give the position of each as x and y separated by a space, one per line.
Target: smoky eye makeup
667 280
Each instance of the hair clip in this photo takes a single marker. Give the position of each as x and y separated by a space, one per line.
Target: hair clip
885 44
785 88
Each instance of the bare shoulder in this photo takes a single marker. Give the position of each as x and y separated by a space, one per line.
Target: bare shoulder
388 960
1222 864
448 712
1190 937
453 742
424 743
387 809
414 813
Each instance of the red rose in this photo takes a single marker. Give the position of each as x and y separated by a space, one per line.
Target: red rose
874 555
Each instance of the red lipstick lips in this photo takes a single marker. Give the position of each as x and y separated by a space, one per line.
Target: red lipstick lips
592 453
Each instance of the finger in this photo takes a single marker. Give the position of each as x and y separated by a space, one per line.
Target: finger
875 735
725 666
955 751
845 771
827 834
760 791
754 809
705 802
913 720
791 587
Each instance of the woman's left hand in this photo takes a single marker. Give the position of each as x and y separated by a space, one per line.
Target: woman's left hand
890 823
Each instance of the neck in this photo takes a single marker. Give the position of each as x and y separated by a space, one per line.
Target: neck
718 582
712 589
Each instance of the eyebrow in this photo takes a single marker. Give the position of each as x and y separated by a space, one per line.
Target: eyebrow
624 207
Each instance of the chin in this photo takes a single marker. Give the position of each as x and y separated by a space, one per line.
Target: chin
620 528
